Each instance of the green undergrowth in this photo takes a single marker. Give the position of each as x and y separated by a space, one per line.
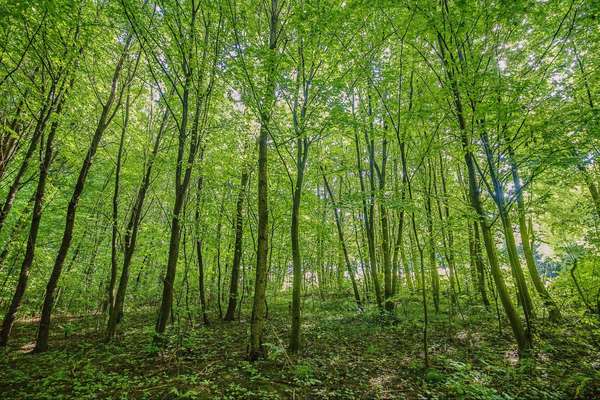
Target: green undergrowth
346 355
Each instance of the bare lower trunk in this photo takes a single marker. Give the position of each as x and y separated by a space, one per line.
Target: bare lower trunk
343 244
448 62
199 259
115 215
478 259
237 252
435 279
256 349
108 112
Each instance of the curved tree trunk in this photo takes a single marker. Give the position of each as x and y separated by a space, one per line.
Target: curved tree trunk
553 311
38 205
116 311
507 227
108 112
256 349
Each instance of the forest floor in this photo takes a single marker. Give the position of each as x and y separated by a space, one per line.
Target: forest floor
346 355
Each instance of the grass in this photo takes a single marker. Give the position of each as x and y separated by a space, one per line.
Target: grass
345 355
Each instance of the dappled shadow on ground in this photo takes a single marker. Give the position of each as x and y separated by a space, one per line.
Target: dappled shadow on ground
346 355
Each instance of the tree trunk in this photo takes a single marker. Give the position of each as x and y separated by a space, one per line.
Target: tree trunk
218 255
116 311
479 264
184 169
9 317
9 141
423 286
398 257
256 349
450 70
200 261
385 230
523 341
368 212
507 227
447 232
301 158
108 112
201 287
435 279
47 108
237 252
340 232
115 214
553 311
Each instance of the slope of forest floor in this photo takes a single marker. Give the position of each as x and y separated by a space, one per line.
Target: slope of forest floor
346 355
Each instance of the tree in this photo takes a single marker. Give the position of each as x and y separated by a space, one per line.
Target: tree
109 110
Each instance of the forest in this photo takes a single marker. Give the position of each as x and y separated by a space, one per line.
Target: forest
300 199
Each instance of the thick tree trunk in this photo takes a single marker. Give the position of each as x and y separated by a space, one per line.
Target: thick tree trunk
260 283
